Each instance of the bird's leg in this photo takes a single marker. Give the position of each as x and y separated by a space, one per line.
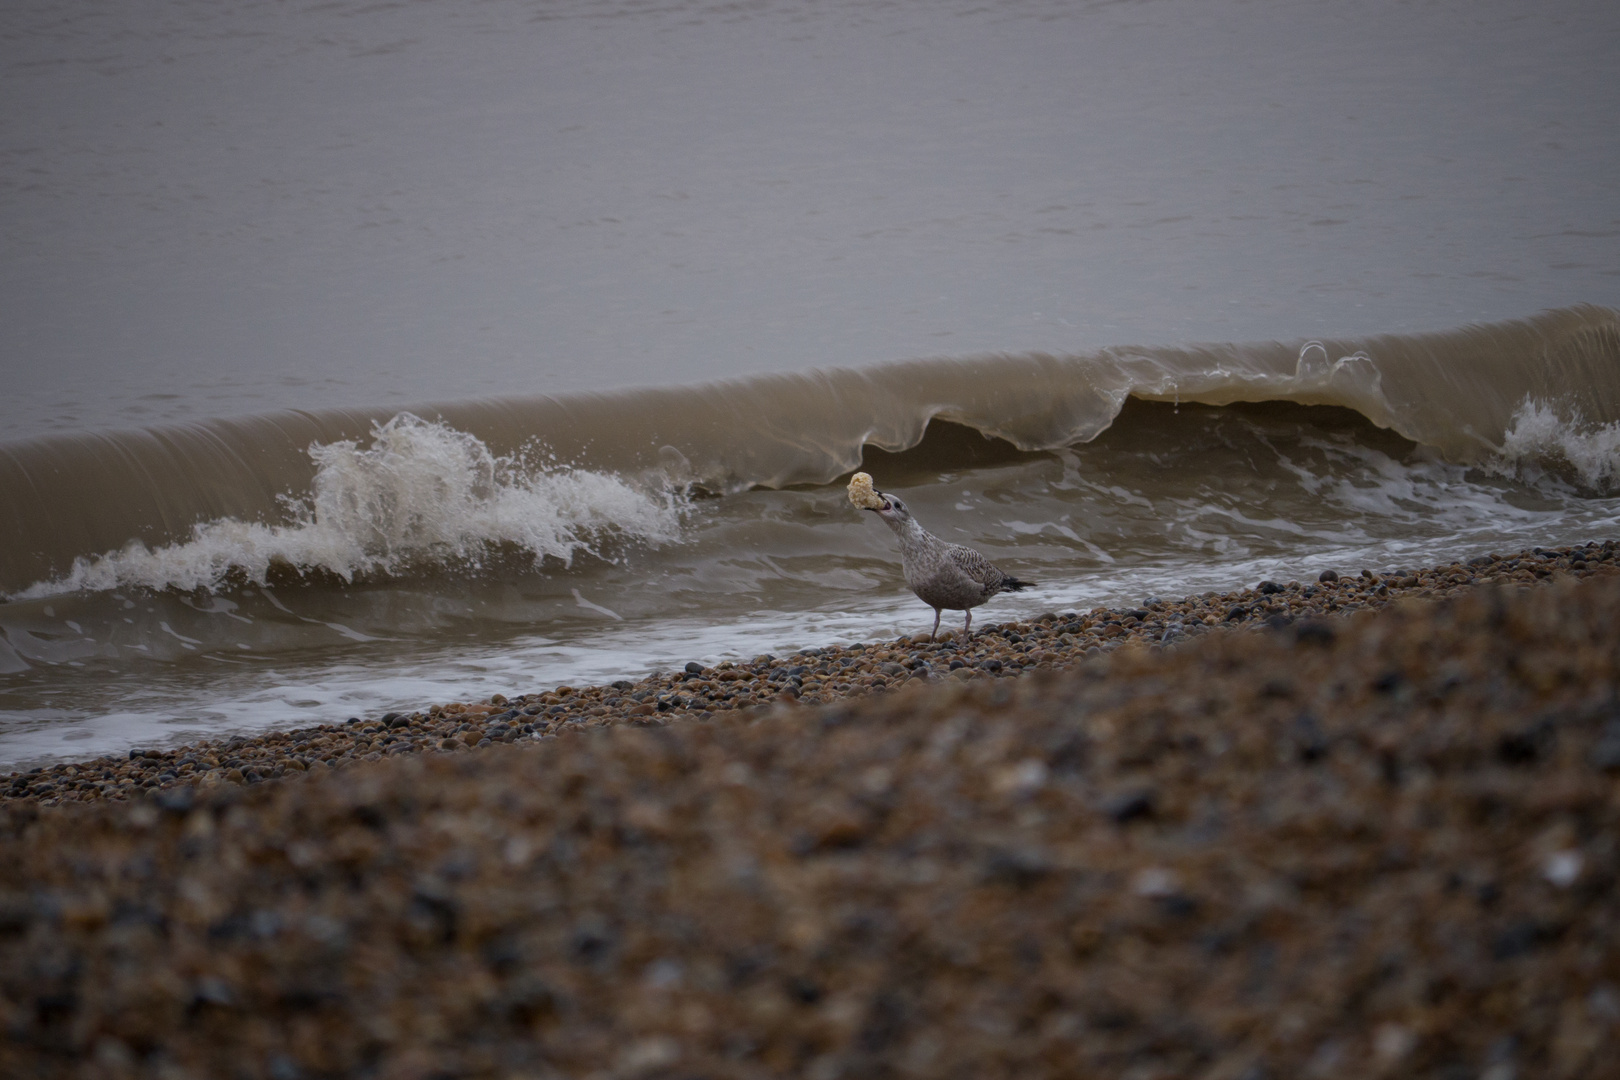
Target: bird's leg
967 627
933 635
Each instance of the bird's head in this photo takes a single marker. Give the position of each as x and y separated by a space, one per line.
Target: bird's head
865 495
890 508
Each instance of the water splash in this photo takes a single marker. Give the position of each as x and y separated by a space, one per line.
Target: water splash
420 494
1543 438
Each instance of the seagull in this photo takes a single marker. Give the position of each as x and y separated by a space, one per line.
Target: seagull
942 575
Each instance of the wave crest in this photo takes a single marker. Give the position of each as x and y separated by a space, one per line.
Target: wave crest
62 497
420 493
1542 438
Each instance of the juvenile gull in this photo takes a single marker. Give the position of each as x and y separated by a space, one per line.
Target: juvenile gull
942 575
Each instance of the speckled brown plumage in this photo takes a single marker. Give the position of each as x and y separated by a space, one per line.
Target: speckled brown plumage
942 575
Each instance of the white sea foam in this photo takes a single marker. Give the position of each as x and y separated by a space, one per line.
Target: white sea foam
1541 435
420 494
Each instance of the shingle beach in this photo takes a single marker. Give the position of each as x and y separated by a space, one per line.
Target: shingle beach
1363 826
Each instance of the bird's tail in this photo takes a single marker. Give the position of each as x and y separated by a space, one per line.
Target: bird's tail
1012 584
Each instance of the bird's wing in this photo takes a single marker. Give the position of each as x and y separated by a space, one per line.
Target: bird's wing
974 565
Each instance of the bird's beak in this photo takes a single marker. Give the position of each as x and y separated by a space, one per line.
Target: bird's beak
885 506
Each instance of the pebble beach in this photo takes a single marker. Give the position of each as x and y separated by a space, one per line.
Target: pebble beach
1363 825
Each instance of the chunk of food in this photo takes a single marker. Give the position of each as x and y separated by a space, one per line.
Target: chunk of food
863 494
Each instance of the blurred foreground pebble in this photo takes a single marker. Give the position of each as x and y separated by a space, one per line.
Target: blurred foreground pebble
1376 846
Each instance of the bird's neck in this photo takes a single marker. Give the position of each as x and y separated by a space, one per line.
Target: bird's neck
911 534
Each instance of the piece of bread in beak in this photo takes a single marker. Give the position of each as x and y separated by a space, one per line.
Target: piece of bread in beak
863 494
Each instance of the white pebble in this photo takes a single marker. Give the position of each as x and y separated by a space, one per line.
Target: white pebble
1562 868
1155 881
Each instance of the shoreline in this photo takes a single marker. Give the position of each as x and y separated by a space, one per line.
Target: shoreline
810 676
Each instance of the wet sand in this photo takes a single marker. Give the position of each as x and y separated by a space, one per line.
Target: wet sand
1102 844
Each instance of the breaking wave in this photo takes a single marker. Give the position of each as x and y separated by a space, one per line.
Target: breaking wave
187 504
1543 438
420 493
